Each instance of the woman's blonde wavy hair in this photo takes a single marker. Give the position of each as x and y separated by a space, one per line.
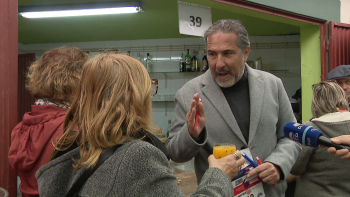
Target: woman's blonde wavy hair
112 105
328 97
56 73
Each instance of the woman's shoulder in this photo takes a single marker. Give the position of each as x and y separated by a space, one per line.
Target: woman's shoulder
135 160
333 124
60 164
139 148
138 155
333 117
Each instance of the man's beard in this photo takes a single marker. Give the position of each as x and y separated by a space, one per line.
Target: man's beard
234 80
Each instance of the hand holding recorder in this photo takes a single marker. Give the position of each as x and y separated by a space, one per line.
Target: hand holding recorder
342 153
309 136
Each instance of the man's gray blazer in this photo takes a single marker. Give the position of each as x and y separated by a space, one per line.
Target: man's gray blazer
270 110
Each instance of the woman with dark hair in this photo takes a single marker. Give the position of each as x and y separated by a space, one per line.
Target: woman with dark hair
317 172
52 80
112 110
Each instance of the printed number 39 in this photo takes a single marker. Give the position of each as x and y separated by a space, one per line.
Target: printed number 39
198 21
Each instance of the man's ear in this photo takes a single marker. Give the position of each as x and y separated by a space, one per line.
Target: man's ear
246 54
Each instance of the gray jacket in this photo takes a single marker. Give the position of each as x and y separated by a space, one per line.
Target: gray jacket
135 169
321 173
270 110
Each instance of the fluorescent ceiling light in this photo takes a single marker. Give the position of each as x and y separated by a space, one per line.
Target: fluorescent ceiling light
85 12
80 10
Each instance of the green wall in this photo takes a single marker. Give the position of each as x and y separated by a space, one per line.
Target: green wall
159 20
322 9
310 65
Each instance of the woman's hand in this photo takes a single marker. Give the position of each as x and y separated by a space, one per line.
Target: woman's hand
229 164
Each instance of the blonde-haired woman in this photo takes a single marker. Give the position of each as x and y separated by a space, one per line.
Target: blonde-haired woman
113 109
318 172
52 80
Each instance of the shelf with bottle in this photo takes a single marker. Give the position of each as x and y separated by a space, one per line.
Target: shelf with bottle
188 67
173 75
189 64
156 48
257 64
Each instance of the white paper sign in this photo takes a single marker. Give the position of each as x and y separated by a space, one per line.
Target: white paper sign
247 187
193 19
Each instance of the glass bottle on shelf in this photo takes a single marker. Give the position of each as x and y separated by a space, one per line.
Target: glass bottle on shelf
148 63
194 62
188 61
205 65
198 69
139 57
168 129
182 64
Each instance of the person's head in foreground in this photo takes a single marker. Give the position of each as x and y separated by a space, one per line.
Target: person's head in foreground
55 75
342 75
228 49
113 104
328 97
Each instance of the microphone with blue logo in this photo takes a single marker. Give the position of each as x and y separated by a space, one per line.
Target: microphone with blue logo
309 136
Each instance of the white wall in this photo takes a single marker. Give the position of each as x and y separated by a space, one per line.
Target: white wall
322 9
284 62
345 11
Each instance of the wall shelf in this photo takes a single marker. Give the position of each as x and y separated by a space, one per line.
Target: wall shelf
173 75
286 70
163 98
177 73
124 50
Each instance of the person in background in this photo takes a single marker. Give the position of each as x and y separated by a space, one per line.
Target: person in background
243 106
52 80
297 107
316 173
342 75
113 107
342 153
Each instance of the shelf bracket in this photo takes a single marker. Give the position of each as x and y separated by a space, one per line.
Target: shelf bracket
166 80
166 108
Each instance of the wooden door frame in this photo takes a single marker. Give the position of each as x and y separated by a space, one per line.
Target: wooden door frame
339 44
8 89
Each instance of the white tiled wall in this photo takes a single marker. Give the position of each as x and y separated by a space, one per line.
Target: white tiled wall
275 60
286 59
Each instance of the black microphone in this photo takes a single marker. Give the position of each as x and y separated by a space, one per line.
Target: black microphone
309 136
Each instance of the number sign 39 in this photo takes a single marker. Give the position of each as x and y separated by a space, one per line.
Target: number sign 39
193 19
196 22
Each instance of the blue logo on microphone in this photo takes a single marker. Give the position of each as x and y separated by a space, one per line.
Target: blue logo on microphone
308 142
294 137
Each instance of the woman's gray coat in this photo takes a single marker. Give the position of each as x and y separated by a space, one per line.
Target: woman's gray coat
321 173
136 169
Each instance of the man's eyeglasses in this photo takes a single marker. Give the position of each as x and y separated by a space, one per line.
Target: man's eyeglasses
317 84
154 86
